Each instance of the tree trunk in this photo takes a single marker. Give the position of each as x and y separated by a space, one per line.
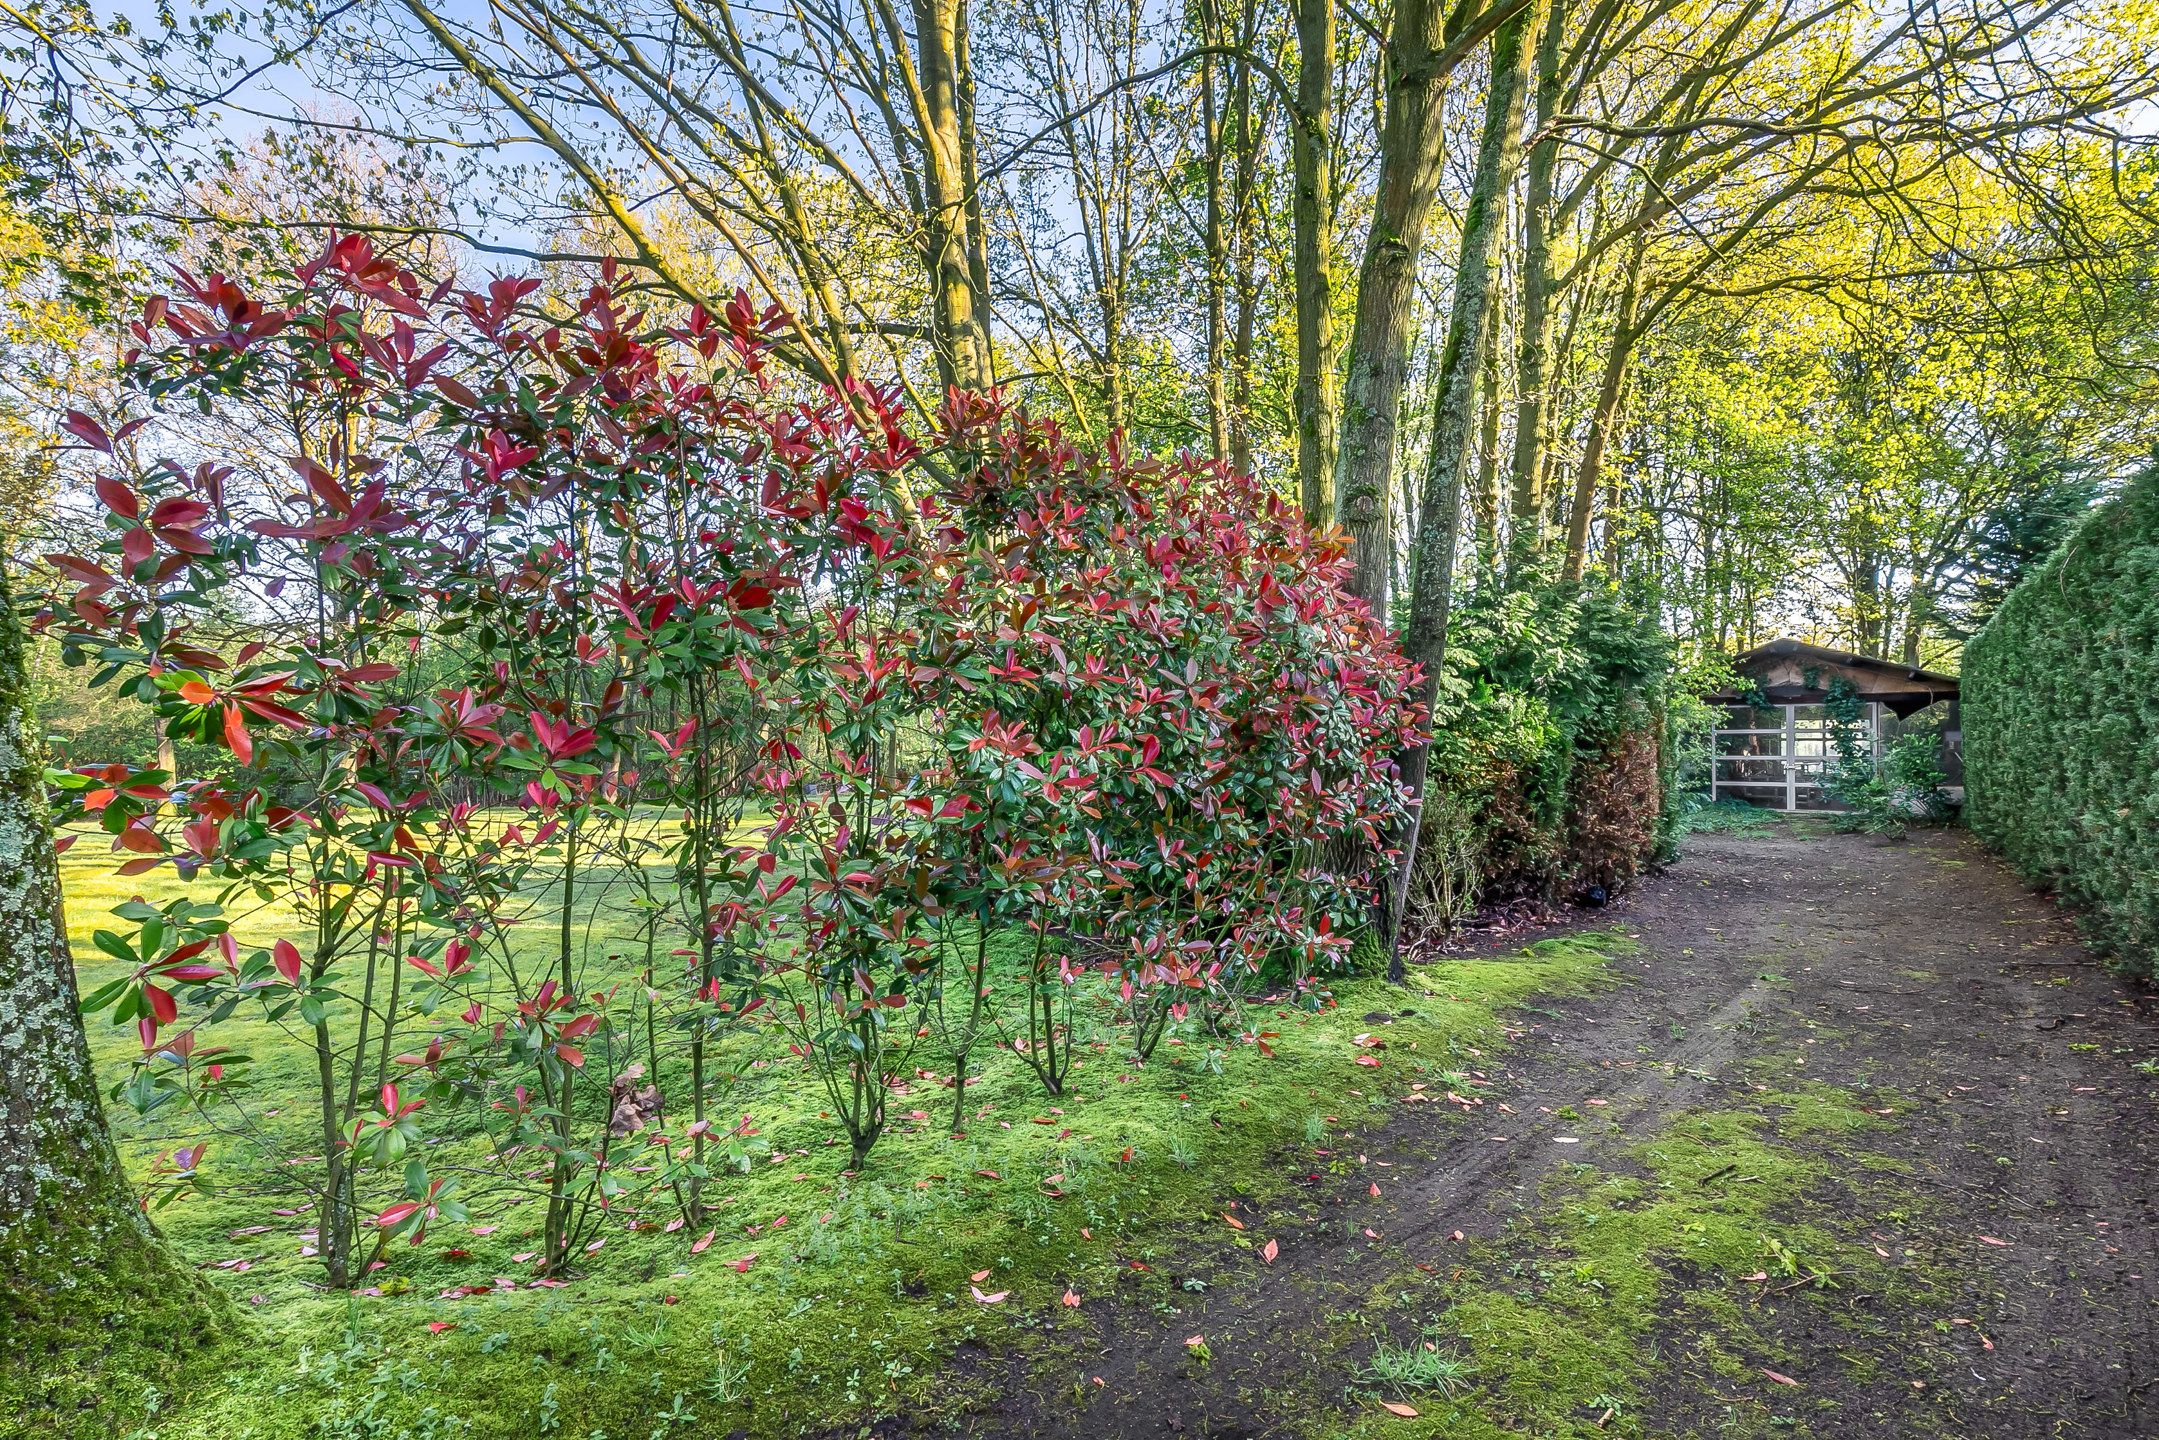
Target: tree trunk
1484 497
1610 387
1533 351
1382 337
92 1307
1312 252
1432 566
1216 242
959 312
977 237
1244 190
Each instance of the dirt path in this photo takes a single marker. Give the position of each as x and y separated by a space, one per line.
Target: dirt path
1920 970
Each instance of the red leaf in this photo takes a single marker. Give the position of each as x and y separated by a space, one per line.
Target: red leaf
141 839
1268 1251
1780 1379
287 959
702 1242
236 736
117 498
83 428
162 1005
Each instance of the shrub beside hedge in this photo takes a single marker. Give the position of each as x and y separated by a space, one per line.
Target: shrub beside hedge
2061 727
1547 779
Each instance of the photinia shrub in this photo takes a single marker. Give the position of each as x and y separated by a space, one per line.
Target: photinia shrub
537 604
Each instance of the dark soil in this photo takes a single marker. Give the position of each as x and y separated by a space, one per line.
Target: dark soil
1920 968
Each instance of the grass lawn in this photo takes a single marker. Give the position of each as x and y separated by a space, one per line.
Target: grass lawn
823 1297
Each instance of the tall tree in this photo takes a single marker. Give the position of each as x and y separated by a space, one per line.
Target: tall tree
1312 256
1426 41
1424 639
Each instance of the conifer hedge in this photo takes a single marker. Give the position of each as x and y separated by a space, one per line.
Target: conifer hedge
2061 726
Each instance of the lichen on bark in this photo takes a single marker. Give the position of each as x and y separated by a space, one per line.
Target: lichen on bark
99 1319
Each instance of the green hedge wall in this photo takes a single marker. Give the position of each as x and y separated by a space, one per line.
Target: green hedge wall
2061 726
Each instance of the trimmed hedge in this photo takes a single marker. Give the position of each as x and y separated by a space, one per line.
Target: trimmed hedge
2061 727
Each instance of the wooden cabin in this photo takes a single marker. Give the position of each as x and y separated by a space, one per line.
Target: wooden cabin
1774 737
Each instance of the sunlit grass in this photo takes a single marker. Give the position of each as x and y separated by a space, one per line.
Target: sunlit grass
822 1294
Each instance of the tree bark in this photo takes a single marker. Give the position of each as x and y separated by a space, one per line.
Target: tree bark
1244 285
1312 257
1425 42
959 313
1484 496
1217 246
1432 566
1382 337
1533 362
1611 385
87 1295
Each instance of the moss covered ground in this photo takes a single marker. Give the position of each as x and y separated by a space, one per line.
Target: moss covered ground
1719 1268
824 1298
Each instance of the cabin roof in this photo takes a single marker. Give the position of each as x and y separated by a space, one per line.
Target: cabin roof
1792 672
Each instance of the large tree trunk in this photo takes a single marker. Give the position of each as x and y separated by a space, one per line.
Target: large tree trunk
1425 41
1432 566
1244 252
1312 256
1382 337
1217 246
92 1308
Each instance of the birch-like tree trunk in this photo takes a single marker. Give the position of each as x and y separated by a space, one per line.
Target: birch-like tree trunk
85 1285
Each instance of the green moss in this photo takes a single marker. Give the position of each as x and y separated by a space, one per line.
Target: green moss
1566 1321
103 1332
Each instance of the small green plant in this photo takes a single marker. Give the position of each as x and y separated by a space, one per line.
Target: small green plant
1789 1264
1420 1368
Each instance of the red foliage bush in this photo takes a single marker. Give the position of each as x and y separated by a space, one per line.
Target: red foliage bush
580 561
